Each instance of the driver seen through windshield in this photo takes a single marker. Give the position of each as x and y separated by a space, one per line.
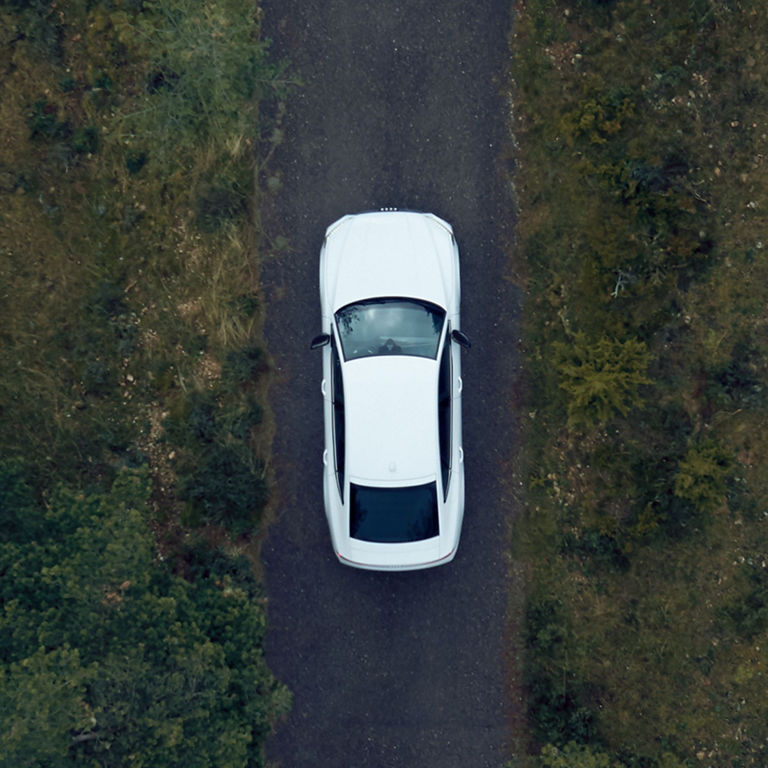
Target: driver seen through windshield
390 327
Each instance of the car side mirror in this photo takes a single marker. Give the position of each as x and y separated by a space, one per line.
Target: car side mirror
320 341
461 338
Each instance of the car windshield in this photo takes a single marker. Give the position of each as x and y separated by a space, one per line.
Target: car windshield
390 327
393 515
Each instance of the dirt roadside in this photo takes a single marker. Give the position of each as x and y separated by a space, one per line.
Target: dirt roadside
400 106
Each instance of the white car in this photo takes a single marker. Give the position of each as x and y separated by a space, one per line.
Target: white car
394 474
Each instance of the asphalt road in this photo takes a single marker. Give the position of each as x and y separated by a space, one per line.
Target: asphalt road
400 106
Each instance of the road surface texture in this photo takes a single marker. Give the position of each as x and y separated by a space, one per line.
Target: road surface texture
400 106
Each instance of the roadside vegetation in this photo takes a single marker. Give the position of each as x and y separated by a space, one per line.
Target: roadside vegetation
133 441
642 132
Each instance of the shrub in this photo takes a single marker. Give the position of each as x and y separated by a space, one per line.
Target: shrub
597 119
85 141
110 658
555 711
738 382
246 304
226 486
555 696
218 204
544 627
748 615
97 378
108 299
199 79
702 475
599 547
199 560
20 518
202 421
44 123
135 161
243 420
573 755
601 377
242 365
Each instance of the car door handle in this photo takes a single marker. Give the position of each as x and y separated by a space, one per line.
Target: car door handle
322 387
325 457
461 385
461 455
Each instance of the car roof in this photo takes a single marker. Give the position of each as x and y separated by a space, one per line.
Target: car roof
390 254
391 419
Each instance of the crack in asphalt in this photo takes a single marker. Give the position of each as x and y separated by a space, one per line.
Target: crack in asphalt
401 105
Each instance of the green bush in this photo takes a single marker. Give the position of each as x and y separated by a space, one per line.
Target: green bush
243 365
97 378
198 560
244 420
85 141
748 615
20 518
544 627
202 421
601 377
44 124
573 755
226 486
738 382
556 712
218 204
702 475
143 667
597 547
135 161
597 119
198 79
555 696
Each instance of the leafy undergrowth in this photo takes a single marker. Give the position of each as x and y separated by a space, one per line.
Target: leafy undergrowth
130 327
642 133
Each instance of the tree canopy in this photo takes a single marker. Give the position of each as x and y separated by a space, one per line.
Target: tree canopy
108 656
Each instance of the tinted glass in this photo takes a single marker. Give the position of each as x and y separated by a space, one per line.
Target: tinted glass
393 515
444 415
390 327
338 418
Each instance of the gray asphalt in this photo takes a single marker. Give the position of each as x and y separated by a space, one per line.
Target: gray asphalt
401 106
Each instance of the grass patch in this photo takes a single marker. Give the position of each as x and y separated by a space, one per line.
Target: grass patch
641 187
129 311
129 263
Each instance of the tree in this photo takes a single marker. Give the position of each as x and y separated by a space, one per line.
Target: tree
42 701
110 658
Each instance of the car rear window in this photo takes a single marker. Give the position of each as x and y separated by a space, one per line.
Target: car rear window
393 515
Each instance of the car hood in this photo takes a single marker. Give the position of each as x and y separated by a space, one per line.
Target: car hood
366 256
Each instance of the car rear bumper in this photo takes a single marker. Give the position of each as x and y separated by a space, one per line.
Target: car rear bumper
404 564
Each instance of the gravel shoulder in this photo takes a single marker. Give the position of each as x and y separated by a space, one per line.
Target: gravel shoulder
400 106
